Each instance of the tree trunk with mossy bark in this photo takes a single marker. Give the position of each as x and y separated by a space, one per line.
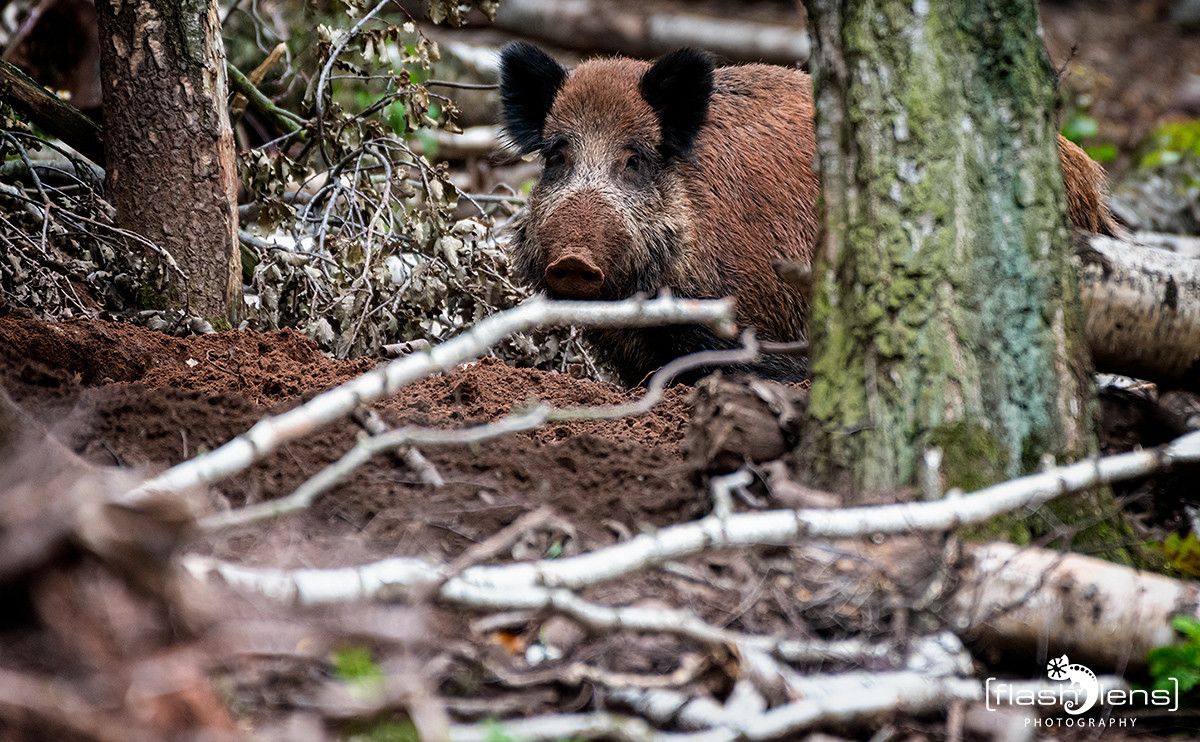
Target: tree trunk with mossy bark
945 309
169 146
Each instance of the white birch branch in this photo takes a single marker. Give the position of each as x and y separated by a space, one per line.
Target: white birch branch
270 433
311 587
593 24
599 725
473 141
784 526
827 700
378 579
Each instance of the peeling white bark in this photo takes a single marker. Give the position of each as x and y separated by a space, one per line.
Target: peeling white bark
1142 307
1096 610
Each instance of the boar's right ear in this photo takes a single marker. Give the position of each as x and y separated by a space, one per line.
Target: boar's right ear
529 81
679 87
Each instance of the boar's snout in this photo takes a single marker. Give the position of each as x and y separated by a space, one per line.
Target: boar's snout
575 277
582 241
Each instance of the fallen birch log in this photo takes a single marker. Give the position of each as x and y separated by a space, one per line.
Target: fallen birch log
1142 308
1102 612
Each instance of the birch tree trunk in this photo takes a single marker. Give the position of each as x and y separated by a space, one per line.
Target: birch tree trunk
946 308
169 146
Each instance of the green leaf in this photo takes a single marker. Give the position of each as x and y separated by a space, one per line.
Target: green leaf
1189 626
388 732
1102 152
1177 662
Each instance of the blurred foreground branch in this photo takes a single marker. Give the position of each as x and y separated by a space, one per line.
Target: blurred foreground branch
595 26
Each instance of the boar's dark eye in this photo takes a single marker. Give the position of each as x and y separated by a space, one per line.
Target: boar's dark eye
639 167
554 157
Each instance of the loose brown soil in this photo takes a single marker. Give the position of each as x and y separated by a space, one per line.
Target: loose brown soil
119 394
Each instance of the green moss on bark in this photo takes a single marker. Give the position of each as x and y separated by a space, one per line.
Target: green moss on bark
945 310
972 456
941 310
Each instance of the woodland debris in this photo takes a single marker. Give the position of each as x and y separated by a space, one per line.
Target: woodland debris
1179 411
522 585
53 115
735 423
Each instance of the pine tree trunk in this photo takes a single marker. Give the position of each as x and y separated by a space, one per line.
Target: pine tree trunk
169 146
946 308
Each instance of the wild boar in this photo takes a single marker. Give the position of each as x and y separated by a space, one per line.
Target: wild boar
679 175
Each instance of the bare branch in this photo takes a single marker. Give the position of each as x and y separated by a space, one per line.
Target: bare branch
713 532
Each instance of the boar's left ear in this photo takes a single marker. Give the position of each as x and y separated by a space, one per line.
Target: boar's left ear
678 87
529 81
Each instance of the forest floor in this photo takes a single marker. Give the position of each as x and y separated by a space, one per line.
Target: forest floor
124 396
120 395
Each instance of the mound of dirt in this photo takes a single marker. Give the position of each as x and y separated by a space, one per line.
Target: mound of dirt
121 394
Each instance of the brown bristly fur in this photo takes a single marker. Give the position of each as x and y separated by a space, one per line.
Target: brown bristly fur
1087 190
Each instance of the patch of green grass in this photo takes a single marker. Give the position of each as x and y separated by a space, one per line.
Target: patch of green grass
1179 661
356 665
